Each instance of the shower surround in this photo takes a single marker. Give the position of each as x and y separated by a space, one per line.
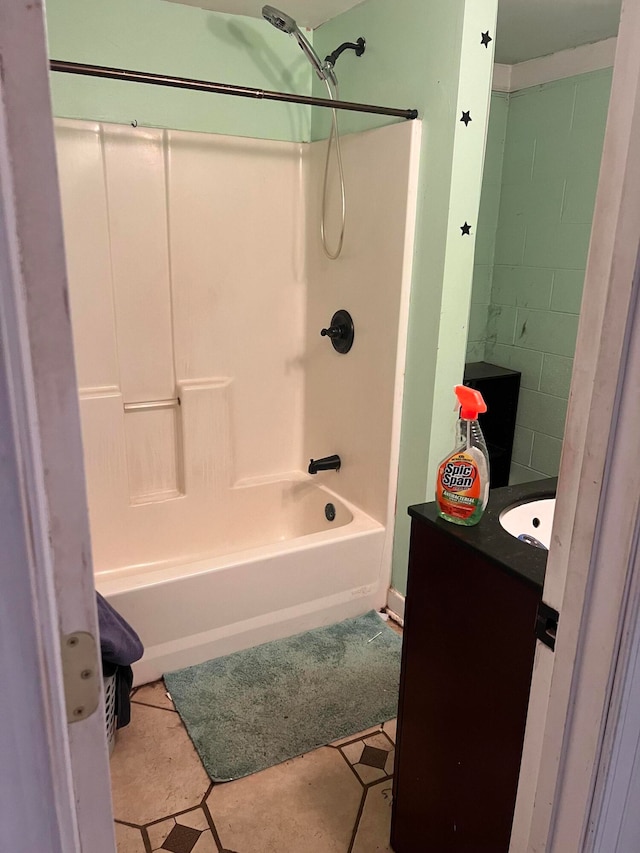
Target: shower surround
198 291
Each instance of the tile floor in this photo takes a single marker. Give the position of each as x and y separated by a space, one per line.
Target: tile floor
336 799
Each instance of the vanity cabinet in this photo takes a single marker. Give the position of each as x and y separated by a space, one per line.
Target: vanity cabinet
467 663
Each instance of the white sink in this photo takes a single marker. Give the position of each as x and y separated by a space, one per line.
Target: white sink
531 522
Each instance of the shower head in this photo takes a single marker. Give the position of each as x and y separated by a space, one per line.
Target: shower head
279 20
285 23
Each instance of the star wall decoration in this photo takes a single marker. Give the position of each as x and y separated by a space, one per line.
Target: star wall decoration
466 229
486 38
466 117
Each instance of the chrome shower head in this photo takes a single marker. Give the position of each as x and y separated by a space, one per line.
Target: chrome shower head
279 20
286 24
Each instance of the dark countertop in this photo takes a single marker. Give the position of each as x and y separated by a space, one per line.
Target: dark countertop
474 370
488 536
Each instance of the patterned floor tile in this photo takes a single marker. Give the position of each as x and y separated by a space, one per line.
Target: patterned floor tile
206 844
353 751
375 822
196 819
157 832
389 728
184 833
372 757
181 839
155 770
128 839
307 804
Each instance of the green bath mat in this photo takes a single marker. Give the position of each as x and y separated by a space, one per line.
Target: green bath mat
253 709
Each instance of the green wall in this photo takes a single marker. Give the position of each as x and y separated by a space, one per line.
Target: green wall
395 69
487 227
169 38
427 55
552 152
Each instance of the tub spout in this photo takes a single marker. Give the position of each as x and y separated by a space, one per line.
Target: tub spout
327 463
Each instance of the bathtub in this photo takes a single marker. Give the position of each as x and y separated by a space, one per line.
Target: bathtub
282 567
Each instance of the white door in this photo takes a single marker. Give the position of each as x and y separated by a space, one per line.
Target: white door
54 775
590 567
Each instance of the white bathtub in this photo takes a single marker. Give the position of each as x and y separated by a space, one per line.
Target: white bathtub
282 568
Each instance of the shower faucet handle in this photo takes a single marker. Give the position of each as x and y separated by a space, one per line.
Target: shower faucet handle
334 331
340 331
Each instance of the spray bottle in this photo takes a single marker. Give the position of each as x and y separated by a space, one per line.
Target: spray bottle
462 489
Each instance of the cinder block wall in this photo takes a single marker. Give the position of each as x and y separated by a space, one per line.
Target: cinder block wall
548 161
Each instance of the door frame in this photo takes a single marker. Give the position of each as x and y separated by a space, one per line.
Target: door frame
591 570
44 522
614 824
567 746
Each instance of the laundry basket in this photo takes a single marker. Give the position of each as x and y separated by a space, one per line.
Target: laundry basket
110 709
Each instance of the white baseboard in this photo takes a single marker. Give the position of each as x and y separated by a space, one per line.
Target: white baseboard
395 606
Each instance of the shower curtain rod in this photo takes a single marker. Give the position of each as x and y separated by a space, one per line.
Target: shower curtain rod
222 88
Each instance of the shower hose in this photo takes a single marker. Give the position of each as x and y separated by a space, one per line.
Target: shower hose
334 140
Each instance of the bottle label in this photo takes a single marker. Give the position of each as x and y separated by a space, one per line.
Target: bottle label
458 491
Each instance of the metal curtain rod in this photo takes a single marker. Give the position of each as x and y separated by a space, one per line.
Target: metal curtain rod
221 88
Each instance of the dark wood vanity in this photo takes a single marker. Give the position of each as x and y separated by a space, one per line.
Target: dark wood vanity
469 643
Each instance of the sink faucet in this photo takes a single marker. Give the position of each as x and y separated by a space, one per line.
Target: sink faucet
327 463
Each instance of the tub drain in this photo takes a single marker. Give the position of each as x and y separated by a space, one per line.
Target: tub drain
330 512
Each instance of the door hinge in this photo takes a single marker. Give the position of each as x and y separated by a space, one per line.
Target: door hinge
547 625
82 674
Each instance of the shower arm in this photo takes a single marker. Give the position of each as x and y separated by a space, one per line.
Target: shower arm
358 47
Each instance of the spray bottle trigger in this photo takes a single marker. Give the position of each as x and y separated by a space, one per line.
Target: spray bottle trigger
471 402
